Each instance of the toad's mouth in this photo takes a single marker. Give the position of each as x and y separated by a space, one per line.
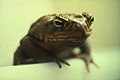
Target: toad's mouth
65 36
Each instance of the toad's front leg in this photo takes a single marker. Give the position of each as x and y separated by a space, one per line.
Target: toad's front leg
86 56
61 60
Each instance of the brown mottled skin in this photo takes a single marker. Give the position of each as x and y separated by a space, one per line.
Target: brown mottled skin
51 35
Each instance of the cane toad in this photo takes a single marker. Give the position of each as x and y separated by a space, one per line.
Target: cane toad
51 35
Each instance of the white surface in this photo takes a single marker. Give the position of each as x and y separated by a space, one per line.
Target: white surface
107 58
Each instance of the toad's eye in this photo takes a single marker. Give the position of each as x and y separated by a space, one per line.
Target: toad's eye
58 24
92 19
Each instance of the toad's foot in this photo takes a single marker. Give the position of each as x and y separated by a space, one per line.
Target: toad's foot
88 59
59 61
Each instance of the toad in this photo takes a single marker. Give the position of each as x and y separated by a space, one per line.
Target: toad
53 38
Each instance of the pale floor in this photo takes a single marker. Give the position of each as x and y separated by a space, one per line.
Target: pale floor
107 58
